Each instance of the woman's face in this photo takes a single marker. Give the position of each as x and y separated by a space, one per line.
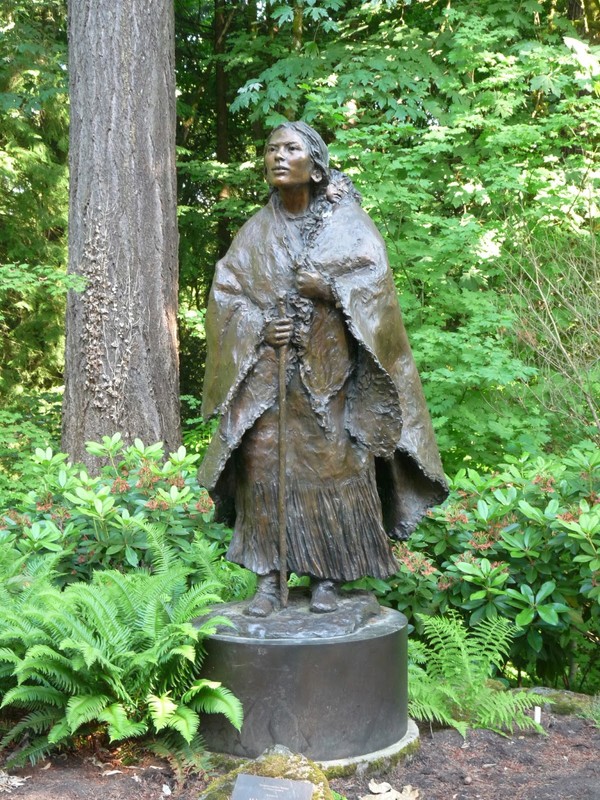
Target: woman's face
288 163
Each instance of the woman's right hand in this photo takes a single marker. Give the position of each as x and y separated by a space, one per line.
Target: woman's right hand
279 332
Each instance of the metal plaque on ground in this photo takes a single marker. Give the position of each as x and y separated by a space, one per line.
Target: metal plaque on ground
254 787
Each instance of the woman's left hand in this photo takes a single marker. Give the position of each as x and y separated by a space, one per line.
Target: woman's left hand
313 285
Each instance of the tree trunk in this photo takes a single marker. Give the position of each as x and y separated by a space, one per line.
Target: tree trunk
121 369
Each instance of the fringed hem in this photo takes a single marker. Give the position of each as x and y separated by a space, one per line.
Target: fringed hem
334 530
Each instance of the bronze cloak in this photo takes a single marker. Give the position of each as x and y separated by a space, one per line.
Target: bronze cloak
385 409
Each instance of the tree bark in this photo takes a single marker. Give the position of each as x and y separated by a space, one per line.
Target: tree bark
121 368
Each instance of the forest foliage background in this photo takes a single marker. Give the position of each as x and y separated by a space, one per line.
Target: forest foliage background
471 128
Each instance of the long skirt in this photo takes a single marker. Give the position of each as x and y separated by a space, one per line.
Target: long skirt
334 523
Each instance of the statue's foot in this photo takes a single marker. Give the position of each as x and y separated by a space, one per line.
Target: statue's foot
266 599
324 597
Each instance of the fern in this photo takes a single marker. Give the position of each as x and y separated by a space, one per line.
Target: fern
33 696
195 602
163 554
36 722
119 724
185 721
179 753
432 700
38 750
213 698
85 708
124 594
449 677
103 612
43 662
161 709
93 653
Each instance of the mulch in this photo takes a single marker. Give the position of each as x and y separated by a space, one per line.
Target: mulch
564 765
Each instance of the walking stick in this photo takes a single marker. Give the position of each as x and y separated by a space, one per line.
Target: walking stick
281 504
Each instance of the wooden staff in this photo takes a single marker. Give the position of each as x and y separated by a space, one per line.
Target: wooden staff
281 504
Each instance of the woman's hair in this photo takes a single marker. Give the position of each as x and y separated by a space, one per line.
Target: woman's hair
316 147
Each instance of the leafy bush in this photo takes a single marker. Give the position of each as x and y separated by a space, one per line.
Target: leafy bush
118 653
593 711
29 424
109 521
450 676
496 138
522 543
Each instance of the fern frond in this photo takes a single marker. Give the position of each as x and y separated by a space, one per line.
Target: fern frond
39 573
92 654
38 721
425 711
59 732
179 753
213 698
61 621
85 708
187 651
42 660
9 656
185 721
432 700
119 724
196 601
161 709
163 555
124 592
101 613
505 711
161 591
175 674
34 696
18 631
38 749
417 652
446 652
208 626
490 641
452 683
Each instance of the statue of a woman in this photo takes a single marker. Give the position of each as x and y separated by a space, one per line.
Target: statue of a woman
309 273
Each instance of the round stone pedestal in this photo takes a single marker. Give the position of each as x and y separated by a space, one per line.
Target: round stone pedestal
330 686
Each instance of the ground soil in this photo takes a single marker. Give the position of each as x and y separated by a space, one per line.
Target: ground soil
564 765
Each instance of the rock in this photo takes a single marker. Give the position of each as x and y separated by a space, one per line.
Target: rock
276 762
562 702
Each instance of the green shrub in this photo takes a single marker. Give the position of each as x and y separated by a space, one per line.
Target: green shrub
27 424
521 543
450 675
109 521
593 711
118 653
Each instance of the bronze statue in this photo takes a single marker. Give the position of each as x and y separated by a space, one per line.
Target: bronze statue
306 286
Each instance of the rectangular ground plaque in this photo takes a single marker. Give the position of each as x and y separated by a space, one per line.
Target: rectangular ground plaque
253 787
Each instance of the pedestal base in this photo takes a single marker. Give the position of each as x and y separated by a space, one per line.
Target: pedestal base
338 696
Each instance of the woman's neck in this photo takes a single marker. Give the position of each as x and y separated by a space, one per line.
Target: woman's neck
296 199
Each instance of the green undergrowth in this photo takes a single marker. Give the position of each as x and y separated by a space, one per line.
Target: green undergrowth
109 520
117 654
450 677
520 543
